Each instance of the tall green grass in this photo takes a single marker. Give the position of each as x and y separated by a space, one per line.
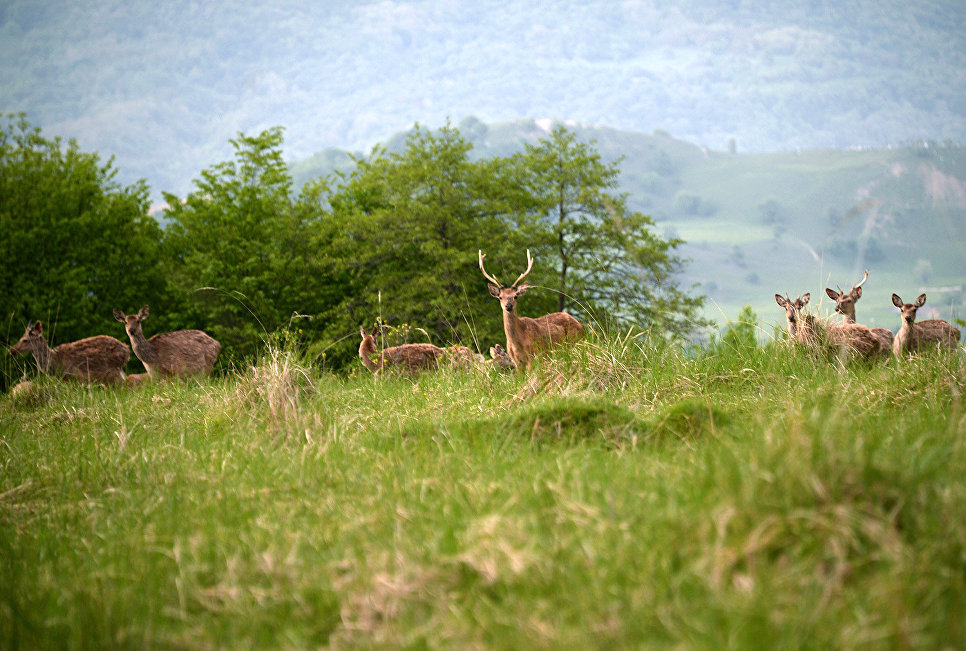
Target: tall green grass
623 492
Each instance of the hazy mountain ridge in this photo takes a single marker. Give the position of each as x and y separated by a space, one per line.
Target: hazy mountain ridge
163 87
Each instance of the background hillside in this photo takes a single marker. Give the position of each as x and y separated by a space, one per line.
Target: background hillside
163 86
796 222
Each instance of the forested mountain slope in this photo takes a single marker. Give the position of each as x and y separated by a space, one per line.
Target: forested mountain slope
163 86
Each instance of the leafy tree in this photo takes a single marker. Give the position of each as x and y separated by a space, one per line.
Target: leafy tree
406 228
242 248
607 259
742 334
74 243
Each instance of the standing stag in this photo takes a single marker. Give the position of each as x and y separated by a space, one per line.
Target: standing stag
913 337
94 359
170 354
846 338
526 336
845 305
408 358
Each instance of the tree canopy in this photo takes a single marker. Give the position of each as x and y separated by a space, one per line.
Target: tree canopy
74 243
393 239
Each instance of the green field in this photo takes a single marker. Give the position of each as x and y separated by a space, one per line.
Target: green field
625 493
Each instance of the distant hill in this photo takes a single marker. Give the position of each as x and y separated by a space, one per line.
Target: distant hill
760 224
162 86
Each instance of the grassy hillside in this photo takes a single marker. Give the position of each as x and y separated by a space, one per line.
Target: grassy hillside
624 494
760 224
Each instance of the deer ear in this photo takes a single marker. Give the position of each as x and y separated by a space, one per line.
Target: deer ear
832 294
118 315
780 300
803 300
522 289
362 331
856 293
896 300
921 300
38 327
143 313
494 291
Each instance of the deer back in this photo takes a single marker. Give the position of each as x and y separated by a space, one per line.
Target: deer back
412 358
855 338
551 329
182 352
101 359
461 357
931 333
884 337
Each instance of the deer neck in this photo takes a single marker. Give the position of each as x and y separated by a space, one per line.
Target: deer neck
366 349
849 316
802 327
144 349
42 353
513 326
906 331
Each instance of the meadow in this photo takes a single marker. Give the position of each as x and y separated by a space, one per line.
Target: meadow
626 492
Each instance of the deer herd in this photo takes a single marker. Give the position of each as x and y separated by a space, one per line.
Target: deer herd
192 352
858 340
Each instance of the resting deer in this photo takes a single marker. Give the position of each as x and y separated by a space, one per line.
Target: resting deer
804 328
913 337
500 358
170 354
94 359
409 358
526 336
845 305
462 357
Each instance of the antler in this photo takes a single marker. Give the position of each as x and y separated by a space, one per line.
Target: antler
486 275
525 273
863 280
497 282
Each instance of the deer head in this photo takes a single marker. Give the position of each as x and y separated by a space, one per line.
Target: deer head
34 332
793 310
908 309
845 301
507 295
132 322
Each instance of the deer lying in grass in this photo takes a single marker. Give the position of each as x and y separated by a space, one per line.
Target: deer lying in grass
500 358
526 336
408 358
913 337
170 354
805 328
845 305
94 359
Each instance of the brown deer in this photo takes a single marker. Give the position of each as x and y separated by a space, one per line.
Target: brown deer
408 358
170 354
805 328
500 358
94 359
526 336
913 337
845 305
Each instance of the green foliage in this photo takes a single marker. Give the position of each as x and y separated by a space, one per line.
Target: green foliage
608 263
406 228
74 244
242 250
742 334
